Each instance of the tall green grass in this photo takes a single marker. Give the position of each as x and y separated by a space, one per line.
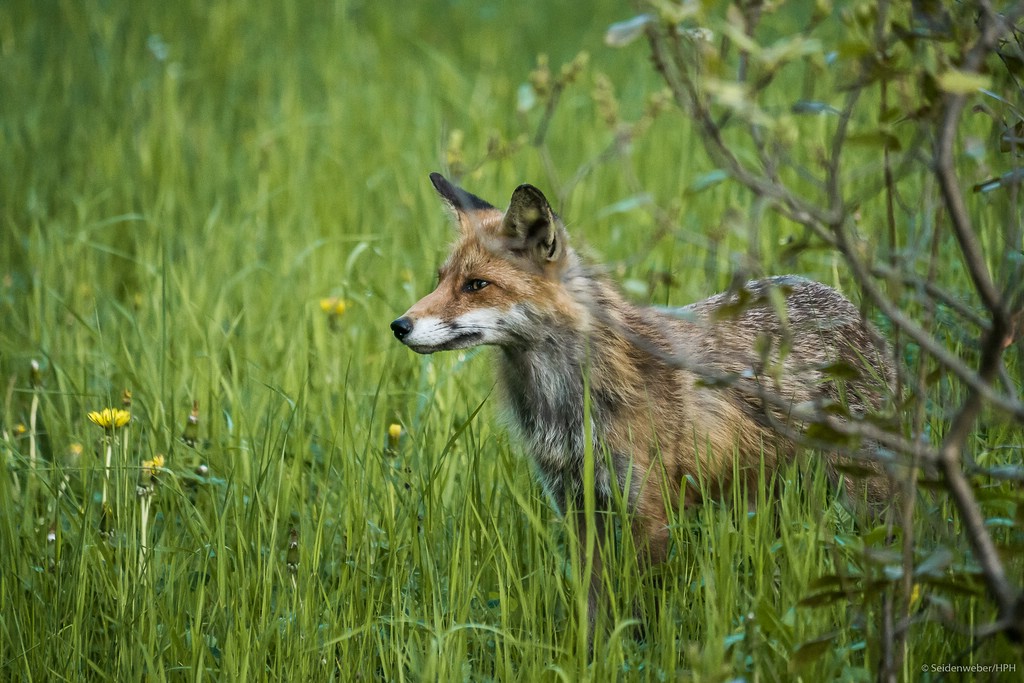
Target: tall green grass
182 185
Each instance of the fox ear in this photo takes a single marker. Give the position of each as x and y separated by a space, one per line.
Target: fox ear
457 199
533 225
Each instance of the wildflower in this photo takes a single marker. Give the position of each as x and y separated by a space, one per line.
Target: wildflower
111 418
35 375
20 429
394 434
333 306
191 433
144 490
126 399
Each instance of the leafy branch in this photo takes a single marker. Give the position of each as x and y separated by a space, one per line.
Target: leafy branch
698 95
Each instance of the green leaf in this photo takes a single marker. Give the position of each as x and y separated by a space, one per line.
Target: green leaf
822 432
807 652
622 33
960 585
834 581
824 598
772 624
840 369
707 180
788 49
962 82
625 205
812 107
717 382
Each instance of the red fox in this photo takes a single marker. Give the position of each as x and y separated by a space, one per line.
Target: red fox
562 329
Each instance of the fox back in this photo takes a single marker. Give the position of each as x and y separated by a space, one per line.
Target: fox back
676 396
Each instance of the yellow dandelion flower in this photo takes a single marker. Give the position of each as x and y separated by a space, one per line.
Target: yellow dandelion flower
110 418
333 305
20 429
394 432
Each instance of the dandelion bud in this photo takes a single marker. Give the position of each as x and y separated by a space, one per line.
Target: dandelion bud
74 454
147 476
292 556
454 152
540 77
394 434
191 434
573 69
106 525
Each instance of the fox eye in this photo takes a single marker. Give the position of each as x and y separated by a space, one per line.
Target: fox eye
474 285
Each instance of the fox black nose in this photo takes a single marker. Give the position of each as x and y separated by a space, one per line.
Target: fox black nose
401 327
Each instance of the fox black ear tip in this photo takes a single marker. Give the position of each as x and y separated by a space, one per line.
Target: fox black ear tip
438 180
528 190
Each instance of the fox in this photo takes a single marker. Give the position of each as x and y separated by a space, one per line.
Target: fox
667 397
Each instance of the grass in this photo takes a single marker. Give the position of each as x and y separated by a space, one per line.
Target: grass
183 183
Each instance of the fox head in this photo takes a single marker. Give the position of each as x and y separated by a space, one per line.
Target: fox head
502 277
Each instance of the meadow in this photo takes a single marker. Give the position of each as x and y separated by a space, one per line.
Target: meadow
209 214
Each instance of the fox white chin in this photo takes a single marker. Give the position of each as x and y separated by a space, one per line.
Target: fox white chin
463 341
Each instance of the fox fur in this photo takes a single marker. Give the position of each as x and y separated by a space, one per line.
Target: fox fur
513 281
